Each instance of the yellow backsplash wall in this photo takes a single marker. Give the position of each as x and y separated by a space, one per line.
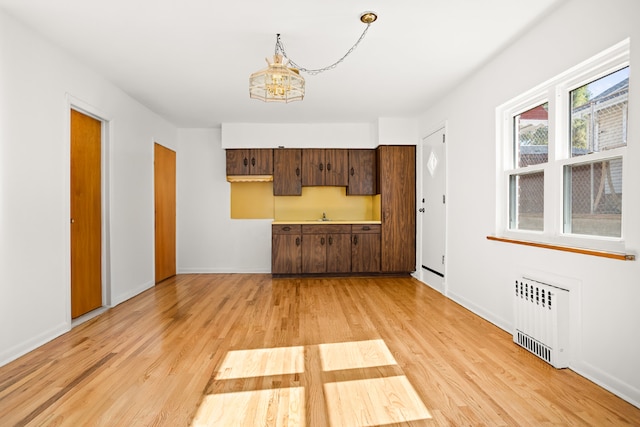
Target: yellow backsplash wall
255 200
252 200
331 200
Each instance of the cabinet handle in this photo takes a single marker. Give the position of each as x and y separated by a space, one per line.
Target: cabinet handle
253 161
322 240
355 240
353 171
321 167
330 240
297 241
245 161
287 228
297 171
366 228
328 167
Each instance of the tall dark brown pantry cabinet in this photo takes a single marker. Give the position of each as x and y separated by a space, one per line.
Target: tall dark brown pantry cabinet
396 183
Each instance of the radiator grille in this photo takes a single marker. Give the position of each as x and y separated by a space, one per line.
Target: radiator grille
542 320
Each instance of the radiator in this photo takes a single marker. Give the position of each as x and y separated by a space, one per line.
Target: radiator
542 320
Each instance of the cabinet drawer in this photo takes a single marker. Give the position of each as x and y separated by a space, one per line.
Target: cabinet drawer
326 228
285 229
365 228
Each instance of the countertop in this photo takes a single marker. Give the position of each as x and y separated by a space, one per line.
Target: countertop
317 221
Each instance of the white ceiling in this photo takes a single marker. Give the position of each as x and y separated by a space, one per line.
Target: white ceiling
190 60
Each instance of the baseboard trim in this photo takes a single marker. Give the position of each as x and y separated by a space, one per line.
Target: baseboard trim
25 347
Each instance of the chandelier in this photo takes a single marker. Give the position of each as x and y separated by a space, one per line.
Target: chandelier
281 80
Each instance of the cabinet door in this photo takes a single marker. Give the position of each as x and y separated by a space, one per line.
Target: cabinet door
397 186
314 253
338 253
237 162
261 161
313 166
286 253
365 253
287 172
362 172
336 163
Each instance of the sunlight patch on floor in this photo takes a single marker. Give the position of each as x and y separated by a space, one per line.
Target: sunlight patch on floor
373 402
355 402
355 354
274 407
261 362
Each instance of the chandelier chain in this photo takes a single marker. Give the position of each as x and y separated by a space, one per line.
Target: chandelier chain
313 72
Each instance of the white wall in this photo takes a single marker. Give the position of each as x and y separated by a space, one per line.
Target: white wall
209 241
298 135
480 273
35 81
386 130
397 131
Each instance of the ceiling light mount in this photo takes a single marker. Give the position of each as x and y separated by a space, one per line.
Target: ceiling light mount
368 17
281 83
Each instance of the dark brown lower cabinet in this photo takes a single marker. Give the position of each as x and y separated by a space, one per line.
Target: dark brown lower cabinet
286 249
365 248
338 253
326 248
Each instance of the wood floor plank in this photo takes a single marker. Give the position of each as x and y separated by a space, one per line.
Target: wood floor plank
247 349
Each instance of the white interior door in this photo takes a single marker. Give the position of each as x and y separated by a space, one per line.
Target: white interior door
432 207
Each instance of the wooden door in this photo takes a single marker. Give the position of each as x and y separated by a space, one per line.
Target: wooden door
314 253
165 212
312 167
237 162
242 161
365 253
86 214
397 184
287 180
338 253
336 163
286 253
362 172
261 161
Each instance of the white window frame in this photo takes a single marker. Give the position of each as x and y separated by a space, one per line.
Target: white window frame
556 92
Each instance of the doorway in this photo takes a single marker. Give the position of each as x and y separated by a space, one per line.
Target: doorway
86 213
164 171
433 209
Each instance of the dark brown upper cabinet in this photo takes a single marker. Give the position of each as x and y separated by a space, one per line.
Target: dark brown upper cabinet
287 172
250 161
362 173
324 167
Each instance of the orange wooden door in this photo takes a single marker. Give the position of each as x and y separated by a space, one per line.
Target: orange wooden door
165 207
86 214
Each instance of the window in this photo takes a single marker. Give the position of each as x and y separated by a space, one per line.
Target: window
563 145
526 184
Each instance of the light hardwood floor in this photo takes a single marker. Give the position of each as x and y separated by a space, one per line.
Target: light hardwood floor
237 349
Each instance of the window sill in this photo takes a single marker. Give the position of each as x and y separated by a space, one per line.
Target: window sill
604 254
